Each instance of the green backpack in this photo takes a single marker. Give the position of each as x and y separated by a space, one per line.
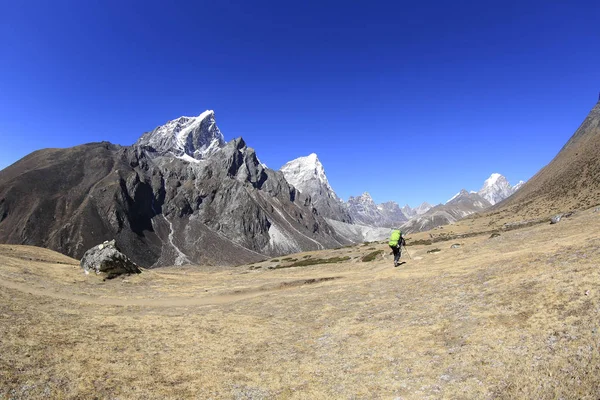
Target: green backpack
395 238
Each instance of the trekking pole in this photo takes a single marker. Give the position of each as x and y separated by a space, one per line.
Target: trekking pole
407 252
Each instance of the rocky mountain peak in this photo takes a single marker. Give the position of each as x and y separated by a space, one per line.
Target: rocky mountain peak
185 137
308 176
518 186
304 171
422 208
496 188
364 199
364 211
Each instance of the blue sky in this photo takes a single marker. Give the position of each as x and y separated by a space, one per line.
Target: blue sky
410 101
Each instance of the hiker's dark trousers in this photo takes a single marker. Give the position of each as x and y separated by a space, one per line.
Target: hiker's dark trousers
396 251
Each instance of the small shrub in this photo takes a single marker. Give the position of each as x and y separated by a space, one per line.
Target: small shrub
275 260
422 241
371 256
314 261
433 251
307 256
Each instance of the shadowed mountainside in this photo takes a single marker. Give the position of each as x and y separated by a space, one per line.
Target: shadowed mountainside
161 209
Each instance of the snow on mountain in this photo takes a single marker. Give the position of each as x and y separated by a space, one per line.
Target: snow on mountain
188 138
461 205
452 198
423 208
307 172
496 188
363 210
358 233
308 176
473 201
408 211
392 214
518 186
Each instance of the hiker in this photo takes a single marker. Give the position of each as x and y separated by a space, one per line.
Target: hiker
396 241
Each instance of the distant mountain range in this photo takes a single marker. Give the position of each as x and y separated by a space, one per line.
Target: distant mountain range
494 190
181 194
461 205
308 175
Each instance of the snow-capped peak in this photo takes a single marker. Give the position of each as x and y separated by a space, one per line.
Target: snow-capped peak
453 197
185 137
365 198
458 196
496 188
493 179
423 208
304 170
518 186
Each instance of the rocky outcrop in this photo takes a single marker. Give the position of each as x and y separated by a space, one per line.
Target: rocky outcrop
107 259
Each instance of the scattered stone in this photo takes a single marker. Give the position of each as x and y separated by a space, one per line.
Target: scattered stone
509 226
596 209
493 235
455 246
107 258
556 219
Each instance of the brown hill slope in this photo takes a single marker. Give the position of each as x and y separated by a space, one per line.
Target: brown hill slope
570 181
509 317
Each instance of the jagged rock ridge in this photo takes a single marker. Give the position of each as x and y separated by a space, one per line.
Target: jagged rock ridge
363 210
308 176
182 196
185 137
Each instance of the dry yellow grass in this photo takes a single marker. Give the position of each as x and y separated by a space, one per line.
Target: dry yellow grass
515 316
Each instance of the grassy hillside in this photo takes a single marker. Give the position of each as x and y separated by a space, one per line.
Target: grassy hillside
514 316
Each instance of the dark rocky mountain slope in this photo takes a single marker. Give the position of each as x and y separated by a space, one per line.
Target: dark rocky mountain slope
204 202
